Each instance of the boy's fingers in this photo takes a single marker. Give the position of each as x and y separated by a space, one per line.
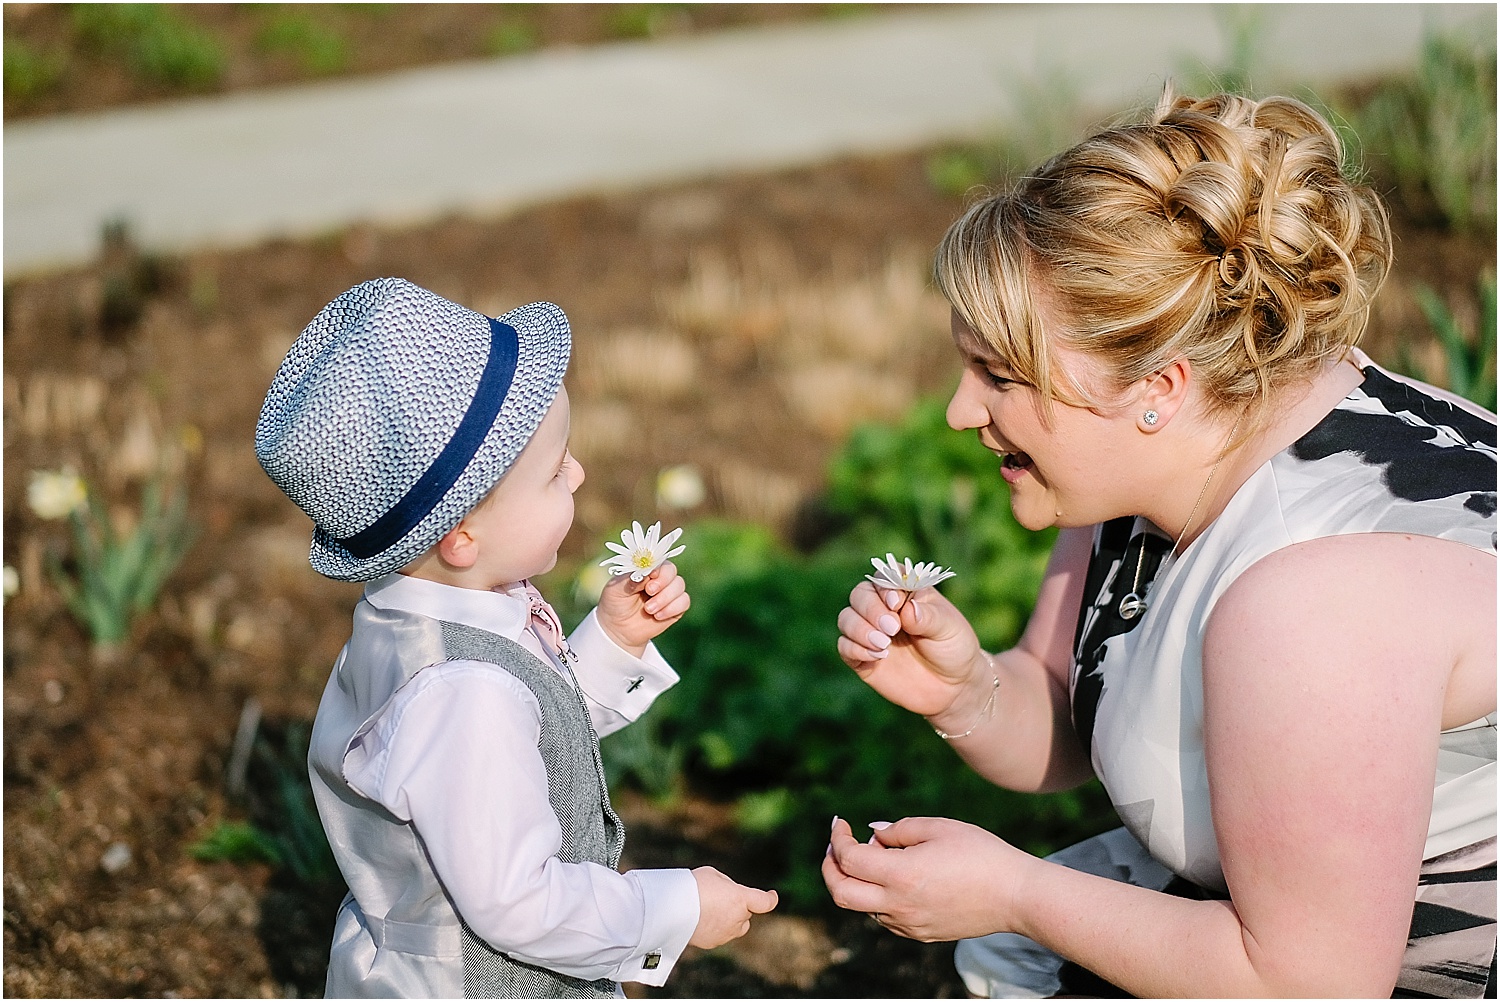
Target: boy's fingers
660 577
761 902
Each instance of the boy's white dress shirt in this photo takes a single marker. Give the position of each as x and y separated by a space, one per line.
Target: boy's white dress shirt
434 797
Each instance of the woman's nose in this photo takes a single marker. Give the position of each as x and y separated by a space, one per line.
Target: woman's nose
965 411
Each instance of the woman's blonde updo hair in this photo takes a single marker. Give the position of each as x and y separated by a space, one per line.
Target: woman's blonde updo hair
1222 231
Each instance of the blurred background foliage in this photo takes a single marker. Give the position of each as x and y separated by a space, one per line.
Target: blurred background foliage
767 715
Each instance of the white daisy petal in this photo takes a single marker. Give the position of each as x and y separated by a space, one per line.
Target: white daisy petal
905 575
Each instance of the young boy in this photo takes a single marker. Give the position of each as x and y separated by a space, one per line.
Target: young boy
454 756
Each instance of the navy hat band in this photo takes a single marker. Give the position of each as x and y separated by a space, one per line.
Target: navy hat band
424 495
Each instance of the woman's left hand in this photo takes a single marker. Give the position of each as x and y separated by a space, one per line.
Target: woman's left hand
635 612
929 879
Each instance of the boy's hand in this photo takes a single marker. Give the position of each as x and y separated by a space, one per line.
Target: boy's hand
635 612
725 907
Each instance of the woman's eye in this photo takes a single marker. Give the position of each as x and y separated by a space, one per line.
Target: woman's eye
999 381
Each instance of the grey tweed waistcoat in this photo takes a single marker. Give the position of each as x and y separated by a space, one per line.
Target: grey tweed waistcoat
576 788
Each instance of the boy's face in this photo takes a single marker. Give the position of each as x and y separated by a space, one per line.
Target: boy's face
523 521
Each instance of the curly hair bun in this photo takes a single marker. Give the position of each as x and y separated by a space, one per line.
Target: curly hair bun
1222 230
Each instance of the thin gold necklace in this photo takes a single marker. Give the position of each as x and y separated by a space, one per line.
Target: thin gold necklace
1133 604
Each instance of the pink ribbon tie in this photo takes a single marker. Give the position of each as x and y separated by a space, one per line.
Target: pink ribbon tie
546 624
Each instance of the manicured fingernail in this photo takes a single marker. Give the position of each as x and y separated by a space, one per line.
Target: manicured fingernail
893 599
890 624
880 825
879 640
916 612
878 655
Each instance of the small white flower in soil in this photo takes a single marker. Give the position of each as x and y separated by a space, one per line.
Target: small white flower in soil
115 858
904 575
55 494
644 550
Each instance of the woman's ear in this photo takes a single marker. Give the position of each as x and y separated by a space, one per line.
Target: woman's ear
1163 396
458 548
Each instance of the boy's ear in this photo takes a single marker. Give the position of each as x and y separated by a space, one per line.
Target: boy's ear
458 548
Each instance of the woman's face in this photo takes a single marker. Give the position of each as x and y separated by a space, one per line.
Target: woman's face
1070 468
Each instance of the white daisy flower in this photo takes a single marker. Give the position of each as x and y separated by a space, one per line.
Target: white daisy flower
904 575
56 494
644 551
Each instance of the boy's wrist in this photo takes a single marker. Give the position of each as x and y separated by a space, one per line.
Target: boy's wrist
610 631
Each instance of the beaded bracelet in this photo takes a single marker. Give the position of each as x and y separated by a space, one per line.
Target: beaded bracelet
985 713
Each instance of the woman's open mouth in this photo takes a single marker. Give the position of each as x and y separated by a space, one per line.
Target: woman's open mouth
1014 465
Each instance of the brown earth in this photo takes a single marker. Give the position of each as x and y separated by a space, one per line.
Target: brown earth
741 325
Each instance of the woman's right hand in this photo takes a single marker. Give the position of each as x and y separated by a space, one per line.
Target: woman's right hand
917 650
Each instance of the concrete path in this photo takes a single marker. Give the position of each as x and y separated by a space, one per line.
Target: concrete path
486 137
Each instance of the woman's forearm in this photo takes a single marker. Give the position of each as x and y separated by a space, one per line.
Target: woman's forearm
1024 740
1154 944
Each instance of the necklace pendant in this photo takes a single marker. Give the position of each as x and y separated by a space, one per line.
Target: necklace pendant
1131 606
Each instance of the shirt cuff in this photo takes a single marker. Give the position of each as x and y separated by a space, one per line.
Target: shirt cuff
671 912
612 677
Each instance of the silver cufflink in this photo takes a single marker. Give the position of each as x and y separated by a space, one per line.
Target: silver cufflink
653 961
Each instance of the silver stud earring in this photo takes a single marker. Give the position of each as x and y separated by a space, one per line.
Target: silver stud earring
1150 417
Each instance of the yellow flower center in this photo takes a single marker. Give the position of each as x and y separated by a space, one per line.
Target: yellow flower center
641 558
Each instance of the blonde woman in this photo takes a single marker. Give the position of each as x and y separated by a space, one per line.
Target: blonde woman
1268 625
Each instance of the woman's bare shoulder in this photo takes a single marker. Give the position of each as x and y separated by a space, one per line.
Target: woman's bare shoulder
1423 606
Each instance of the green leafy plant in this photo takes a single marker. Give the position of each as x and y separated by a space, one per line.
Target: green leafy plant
1431 136
511 34
116 574
767 715
318 49
296 828
286 831
155 40
1469 358
29 72
643 20
236 842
